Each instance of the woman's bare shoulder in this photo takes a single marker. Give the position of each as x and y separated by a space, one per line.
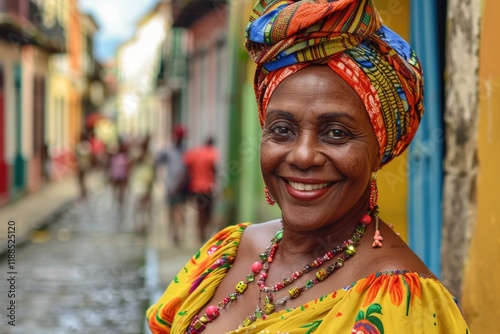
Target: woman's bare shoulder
258 236
395 254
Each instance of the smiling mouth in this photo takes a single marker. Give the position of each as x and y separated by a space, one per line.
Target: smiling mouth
307 186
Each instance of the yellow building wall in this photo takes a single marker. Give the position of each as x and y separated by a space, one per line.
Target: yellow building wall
393 178
74 38
75 117
481 291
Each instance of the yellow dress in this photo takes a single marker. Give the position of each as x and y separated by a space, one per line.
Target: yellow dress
388 302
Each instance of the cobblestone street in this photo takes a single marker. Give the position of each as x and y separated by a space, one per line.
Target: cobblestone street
84 274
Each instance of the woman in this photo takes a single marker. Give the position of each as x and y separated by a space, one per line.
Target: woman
119 168
339 96
142 177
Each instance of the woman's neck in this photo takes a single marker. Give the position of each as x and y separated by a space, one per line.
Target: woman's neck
309 245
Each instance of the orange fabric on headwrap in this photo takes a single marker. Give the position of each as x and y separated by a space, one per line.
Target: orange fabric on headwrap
347 35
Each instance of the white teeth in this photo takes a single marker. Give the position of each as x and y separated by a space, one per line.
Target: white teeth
307 187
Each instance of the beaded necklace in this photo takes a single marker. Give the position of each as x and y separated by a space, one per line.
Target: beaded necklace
266 304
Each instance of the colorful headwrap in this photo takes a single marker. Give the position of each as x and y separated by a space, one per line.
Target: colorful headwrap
283 37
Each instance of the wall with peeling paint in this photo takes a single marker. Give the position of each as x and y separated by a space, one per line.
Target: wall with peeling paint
481 292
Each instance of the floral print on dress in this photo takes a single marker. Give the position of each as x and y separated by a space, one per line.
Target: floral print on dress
369 322
399 285
312 327
380 303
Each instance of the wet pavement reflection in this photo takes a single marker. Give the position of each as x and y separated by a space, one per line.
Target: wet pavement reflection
84 274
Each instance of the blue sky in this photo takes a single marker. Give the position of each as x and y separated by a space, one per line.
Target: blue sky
116 19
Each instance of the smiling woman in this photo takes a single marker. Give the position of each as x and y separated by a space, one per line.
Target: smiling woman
318 154
339 96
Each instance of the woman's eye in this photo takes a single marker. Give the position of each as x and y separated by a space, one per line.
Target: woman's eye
337 133
281 130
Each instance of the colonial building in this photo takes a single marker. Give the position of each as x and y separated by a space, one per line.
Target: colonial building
140 108
196 79
47 71
29 35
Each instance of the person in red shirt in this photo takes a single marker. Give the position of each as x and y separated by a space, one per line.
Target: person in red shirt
201 165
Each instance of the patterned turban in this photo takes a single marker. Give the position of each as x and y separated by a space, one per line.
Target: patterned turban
284 36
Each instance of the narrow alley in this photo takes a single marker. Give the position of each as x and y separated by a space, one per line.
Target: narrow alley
84 273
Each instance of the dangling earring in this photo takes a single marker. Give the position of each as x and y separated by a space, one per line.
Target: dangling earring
269 198
377 238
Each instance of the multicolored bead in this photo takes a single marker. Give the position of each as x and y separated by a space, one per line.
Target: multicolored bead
321 274
241 287
366 219
350 250
247 321
196 326
269 308
212 312
256 267
294 292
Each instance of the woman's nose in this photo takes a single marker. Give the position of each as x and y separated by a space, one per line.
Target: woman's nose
305 151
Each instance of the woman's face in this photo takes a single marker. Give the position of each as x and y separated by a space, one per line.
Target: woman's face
318 148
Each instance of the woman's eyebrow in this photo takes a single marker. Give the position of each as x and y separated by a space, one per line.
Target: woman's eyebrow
280 113
328 117
337 115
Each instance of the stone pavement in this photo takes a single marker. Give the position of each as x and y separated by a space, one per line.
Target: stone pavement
81 274
36 209
163 260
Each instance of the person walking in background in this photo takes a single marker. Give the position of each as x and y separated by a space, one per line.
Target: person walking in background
201 163
98 148
176 181
46 163
119 164
142 179
83 154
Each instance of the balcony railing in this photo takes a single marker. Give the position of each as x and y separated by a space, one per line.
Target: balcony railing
17 8
22 22
185 12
